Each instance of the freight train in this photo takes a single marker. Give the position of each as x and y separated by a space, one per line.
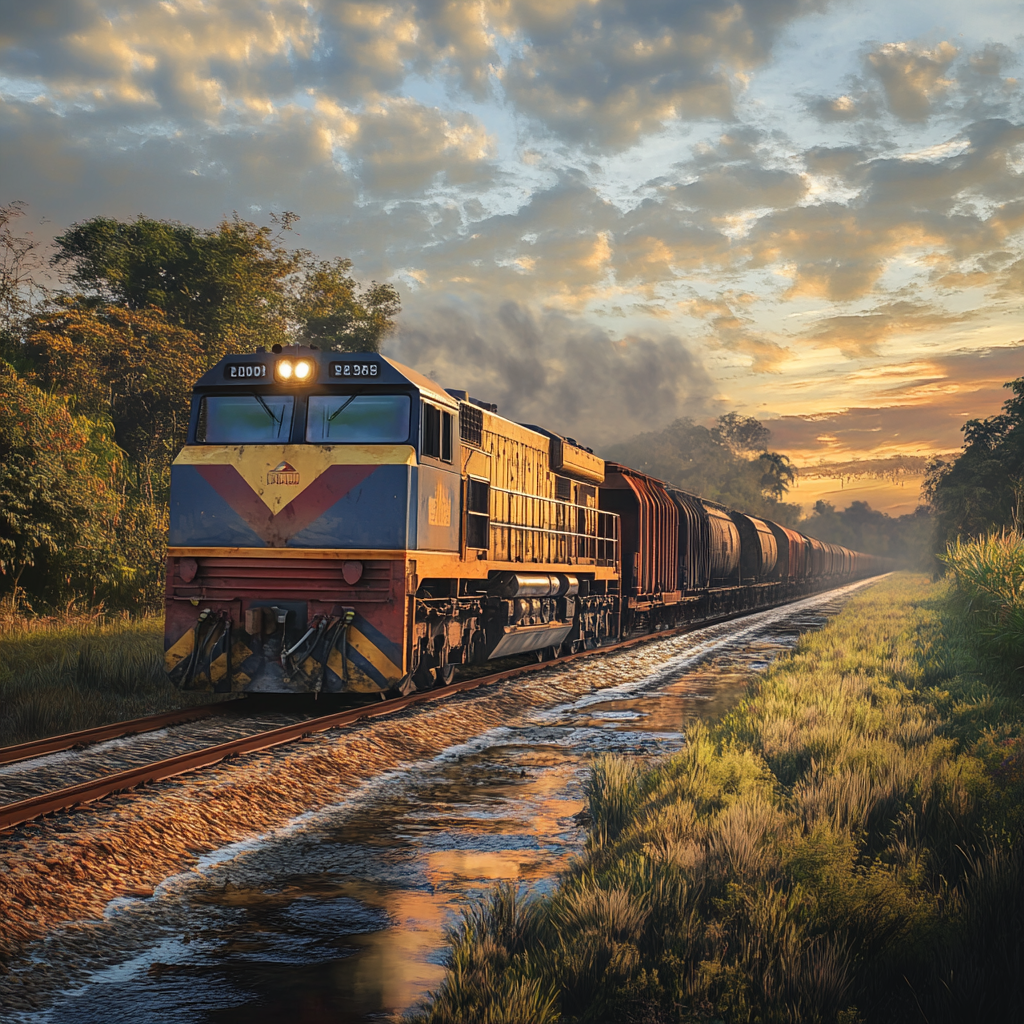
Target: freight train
341 523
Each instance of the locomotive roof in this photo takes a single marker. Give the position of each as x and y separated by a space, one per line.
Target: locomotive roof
389 371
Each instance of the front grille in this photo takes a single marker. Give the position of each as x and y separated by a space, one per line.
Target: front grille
294 579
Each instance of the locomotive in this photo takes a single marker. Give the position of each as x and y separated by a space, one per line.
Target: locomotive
340 523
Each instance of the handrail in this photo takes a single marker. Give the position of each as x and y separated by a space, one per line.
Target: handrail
600 547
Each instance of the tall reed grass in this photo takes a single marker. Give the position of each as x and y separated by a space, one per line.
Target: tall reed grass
63 674
989 577
842 847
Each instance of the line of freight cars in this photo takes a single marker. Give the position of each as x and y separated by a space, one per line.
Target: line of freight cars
686 558
342 523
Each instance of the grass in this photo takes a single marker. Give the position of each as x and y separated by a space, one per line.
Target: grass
842 848
989 576
62 674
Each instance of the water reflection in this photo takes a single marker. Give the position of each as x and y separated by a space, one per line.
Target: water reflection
344 921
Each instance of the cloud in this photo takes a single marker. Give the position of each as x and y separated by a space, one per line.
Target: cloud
916 408
605 73
850 106
558 371
859 334
401 147
914 80
595 72
914 83
730 328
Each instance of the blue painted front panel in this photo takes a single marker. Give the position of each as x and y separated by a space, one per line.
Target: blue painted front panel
374 514
201 517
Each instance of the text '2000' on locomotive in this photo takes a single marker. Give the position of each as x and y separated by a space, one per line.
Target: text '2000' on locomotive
340 523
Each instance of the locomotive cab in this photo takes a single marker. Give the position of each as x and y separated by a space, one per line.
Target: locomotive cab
293 507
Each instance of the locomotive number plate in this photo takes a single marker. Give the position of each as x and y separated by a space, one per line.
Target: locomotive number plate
245 371
351 371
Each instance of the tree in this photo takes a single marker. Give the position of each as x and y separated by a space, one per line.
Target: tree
19 260
236 286
714 463
907 539
130 366
330 313
56 492
982 489
741 434
777 474
227 285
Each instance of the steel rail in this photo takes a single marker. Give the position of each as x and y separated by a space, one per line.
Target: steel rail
23 811
55 744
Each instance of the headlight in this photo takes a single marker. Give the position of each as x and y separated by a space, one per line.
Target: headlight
300 370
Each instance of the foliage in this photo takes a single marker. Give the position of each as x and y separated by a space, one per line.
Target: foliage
909 539
983 488
131 366
842 847
236 286
70 526
989 576
332 314
54 478
227 285
729 463
19 259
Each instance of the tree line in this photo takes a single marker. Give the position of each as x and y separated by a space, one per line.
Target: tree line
96 375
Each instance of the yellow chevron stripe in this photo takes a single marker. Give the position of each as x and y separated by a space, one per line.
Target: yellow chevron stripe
374 655
358 681
181 648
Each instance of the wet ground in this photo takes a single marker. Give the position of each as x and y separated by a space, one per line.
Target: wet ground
341 916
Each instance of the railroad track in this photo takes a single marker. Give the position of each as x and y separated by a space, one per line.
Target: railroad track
118 730
67 797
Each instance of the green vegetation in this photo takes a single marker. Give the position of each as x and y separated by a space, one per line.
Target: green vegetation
235 286
842 847
59 676
95 383
989 577
983 488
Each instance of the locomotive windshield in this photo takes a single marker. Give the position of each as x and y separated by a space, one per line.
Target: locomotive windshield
358 419
244 419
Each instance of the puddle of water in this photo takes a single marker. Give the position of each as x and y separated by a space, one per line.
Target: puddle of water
344 919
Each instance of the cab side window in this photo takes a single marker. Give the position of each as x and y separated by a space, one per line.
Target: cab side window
437 433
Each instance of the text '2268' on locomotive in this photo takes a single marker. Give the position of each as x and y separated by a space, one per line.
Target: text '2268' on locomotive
341 523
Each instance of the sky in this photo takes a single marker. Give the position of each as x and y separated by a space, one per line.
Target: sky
600 215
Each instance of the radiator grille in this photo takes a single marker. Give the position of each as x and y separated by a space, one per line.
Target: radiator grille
296 579
471 424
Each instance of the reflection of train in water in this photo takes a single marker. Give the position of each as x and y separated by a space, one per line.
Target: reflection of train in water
342 523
